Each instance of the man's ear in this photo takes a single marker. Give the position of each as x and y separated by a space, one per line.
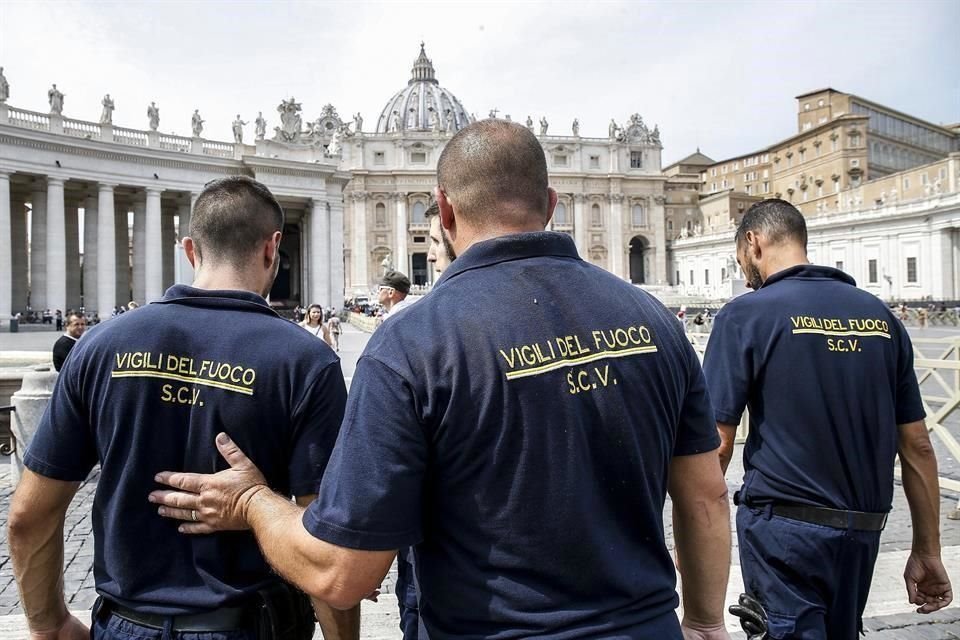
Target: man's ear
190 250
447 217
752 241
271 248
552 200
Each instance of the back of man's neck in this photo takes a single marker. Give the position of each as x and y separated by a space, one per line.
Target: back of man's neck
225 280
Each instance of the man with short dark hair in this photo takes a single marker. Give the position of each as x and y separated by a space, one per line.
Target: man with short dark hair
440 252
827 372
528 460
392 293
149 391
76 325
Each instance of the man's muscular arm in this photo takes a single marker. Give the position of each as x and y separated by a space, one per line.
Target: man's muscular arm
238 498
335 624
926 579
37 513
701 527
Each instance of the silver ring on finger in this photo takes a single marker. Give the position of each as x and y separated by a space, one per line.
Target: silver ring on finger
193 514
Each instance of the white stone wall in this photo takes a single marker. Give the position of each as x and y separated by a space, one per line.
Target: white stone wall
925 231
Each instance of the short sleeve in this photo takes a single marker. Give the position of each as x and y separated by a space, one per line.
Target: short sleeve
315 427
909 406
371 494
727 368
697 431
64 447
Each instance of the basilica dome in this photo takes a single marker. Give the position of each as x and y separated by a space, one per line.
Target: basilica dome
423 105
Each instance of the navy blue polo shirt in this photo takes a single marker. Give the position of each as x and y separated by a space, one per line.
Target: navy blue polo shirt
148 391
827 372
517 425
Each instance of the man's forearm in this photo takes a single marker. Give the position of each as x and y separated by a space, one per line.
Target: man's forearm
288 547
918 465
36 549
338 624
702 536
728 435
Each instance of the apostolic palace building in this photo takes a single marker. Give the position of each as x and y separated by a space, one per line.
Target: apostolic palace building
879 188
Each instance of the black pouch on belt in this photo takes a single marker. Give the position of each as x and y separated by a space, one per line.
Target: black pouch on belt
285 613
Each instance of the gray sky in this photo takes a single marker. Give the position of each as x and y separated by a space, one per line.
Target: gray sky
718 75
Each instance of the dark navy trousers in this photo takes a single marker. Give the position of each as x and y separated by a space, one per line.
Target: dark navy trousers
812 580
112 627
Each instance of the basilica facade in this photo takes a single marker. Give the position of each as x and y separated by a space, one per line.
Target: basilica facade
355 199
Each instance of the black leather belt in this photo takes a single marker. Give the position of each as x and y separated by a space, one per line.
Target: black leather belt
835 518
225 619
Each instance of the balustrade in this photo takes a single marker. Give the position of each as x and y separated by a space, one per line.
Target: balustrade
28 119
219 149
130 136
81 129
174 143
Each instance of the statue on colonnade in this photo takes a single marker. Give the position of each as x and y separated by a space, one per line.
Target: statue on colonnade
153 113
530 123
543 126
291 122
238 130
576 128
261 125
357 123
106 116
56 100
4 87
196 122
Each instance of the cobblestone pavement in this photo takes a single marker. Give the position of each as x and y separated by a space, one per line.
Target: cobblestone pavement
888 616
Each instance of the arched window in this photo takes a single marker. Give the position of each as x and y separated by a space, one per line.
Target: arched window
596 219
418 209
560 215
380 215
638 218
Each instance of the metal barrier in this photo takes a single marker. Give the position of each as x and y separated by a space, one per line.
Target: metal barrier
937 363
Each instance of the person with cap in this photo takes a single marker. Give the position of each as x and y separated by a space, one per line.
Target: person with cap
392 293
826 370
528 461
149 391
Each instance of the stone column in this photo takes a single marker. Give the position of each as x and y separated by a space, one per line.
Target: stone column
616 234
30 402
401 259
19 258
168 237
90 226
319 253
183 271
306 257
139 249
38 247
106 252
337 293
73 257
658 216
360 253
56 246
580 224
6 250
154 246
123 258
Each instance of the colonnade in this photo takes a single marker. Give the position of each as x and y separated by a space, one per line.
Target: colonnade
41 266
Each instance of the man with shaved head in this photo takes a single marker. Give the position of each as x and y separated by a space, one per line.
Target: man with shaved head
523 447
